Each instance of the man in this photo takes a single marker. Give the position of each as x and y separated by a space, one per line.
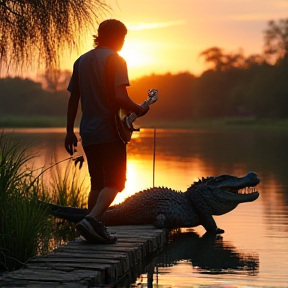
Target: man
105 151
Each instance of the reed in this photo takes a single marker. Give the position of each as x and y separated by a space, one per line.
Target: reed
67 187
24 224
26 229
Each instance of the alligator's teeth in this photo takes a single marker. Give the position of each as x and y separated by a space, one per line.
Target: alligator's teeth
247 190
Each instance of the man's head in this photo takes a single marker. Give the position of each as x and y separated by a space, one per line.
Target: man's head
111 33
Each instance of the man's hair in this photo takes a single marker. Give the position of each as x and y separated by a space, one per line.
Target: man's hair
109 30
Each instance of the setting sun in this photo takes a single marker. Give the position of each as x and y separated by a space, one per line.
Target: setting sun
134 54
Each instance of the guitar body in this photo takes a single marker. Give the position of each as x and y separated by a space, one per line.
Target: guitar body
124 120
124 132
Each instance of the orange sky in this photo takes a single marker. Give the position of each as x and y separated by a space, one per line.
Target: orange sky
168 35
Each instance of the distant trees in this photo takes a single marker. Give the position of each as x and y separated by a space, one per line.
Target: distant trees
276 40
253 85
24 97
55 79
35 33
234 86
223 61
174 101
260 91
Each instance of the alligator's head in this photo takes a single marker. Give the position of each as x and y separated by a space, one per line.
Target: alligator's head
223 193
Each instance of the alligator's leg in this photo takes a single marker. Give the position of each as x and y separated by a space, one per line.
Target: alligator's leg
160 221
204 213
208 222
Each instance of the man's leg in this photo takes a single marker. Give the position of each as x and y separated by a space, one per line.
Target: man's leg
107 164
90 227
105 198
113 163
93 197
94 159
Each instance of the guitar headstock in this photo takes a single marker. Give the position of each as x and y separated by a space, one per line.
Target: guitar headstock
152 96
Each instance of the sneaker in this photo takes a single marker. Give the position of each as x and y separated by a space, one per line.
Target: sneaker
87 230
100 229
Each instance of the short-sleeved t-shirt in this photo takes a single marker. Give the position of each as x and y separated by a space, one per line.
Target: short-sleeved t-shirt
97 122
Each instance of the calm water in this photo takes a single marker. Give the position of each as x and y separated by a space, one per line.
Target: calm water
253 252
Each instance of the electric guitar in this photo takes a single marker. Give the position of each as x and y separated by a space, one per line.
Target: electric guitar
124 120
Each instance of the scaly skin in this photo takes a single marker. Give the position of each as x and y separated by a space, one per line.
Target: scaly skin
167 208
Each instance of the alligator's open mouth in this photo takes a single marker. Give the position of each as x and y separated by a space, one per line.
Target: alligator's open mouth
245 190
238 194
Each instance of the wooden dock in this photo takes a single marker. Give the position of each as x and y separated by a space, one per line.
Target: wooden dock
79 264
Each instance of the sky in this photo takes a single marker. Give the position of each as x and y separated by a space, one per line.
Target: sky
168 35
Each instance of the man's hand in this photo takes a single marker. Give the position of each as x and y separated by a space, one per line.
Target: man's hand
70 142
144 109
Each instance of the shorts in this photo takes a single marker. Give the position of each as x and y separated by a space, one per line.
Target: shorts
107 165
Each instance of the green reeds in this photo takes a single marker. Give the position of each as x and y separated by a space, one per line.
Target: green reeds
24 224
67 187
12 160
26 229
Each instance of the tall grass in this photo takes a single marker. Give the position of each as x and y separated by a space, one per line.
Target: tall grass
67 188
23 222
26 229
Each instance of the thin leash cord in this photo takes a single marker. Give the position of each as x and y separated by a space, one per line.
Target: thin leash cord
154 152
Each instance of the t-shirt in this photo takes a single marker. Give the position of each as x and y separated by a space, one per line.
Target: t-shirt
97 121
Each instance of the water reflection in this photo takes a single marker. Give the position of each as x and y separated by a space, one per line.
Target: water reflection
209 254
206 255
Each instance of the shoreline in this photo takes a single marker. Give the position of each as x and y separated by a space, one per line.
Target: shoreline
214 124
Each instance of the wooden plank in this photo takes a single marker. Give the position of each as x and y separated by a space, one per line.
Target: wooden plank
112 268
53 278
89 265
131 250
123 258
45 276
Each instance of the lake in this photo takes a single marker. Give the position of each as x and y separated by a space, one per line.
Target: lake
253 251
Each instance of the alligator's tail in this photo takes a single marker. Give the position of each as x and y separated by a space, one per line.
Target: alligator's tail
71 214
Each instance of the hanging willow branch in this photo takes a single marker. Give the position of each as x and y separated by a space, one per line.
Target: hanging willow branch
37 32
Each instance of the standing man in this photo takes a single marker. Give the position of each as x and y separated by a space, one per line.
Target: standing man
105 151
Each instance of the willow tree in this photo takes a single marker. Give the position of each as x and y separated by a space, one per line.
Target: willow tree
35 33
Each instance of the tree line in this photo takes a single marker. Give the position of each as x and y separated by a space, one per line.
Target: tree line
260 91
234 85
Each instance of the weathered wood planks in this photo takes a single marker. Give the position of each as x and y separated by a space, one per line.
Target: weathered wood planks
79 264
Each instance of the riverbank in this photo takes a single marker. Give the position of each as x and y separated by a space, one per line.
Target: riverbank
12 121
223 123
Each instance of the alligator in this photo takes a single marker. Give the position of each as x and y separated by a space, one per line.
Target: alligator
167 208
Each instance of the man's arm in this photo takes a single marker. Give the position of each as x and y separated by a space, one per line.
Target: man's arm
125 102
71 139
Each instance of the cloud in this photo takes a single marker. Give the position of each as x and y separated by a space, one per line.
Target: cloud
156 25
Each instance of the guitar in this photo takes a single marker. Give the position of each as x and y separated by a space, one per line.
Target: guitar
124 120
